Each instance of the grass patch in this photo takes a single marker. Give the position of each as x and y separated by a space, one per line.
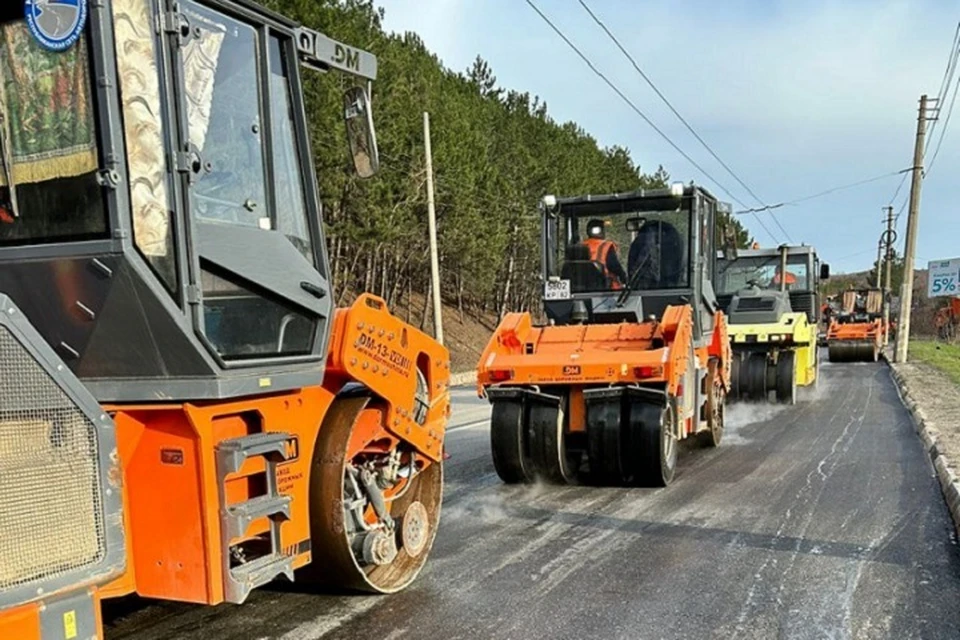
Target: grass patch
943 356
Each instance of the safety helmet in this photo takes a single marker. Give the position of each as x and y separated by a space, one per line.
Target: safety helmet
595 229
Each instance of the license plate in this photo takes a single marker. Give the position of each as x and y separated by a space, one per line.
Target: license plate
557 290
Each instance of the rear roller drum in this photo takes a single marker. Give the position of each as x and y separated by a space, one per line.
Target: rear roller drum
786 377
510 457
374 506
548 447
657 446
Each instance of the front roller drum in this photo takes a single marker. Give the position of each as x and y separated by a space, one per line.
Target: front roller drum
853 351
390 558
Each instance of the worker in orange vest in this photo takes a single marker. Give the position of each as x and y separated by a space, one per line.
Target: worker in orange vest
791 279
604 253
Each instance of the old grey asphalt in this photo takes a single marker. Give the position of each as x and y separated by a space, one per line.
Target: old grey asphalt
821 520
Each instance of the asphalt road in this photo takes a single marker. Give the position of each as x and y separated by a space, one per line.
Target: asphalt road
821 520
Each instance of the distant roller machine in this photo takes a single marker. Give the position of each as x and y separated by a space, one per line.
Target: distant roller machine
857 330
771 302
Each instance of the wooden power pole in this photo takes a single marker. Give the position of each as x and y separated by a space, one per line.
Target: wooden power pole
432 221
906 290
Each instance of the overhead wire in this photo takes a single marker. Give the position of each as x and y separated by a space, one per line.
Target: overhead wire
943 129
675 112
946 80
640 113
825 192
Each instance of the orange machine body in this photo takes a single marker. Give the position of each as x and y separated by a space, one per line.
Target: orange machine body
871 331
947 319
580 356
172 496
26 622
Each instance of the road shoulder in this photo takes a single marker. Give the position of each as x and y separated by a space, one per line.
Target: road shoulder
933 401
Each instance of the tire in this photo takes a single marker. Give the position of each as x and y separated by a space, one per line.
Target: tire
507 427
786 377
736 368
716 409
607 447
658 444
756 376
548 447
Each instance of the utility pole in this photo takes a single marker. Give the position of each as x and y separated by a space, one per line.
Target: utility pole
879 261
434 251
889 238
906 290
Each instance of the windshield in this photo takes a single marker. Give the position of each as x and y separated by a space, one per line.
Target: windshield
645 250
764 271
49 189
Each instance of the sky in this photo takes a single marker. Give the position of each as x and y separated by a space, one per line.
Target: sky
796 97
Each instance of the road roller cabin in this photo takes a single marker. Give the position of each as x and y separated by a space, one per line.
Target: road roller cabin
627 365
183 412
773 319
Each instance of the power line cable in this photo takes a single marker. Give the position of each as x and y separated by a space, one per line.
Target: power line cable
820 194
640 113
943 129
946 80
673 109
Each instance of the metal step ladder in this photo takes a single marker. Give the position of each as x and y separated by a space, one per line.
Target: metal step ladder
236 519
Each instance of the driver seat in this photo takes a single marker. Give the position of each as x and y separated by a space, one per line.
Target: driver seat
661 242
583 273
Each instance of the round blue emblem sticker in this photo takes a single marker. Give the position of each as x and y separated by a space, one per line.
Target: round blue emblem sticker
56 24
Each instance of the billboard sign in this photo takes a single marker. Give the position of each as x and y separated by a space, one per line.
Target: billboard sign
944 278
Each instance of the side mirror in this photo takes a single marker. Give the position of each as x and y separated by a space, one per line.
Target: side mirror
361 135
824 271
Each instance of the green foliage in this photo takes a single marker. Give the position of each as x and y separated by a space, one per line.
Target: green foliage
896 273
728 226
943 356
496 153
